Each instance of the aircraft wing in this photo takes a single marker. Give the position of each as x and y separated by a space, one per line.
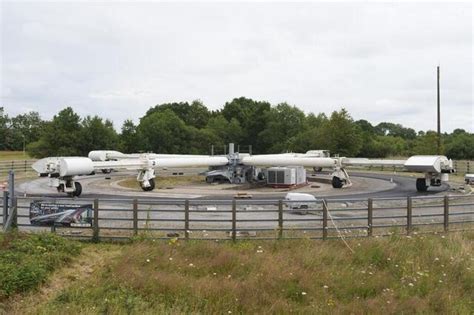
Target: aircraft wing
372 162
289 160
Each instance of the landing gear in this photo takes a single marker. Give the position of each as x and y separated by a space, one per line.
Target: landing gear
421 185
340 178
151 186
337 182
72 188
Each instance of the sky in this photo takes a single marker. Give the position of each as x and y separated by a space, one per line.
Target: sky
117 59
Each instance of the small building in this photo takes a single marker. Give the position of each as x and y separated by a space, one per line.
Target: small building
286 176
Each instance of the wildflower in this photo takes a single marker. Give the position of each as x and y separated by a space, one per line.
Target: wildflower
442 236
230 312
396 266
325 286
259 251
436 259
215 274
389 259
440 281
171 258
303 293
229 276
411 284
148 260
191 265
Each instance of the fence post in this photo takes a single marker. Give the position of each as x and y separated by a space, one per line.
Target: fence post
280 219
234 219
186 218
369 216
409 216
5 208
95 227
135 216
325 220
446 213
53 228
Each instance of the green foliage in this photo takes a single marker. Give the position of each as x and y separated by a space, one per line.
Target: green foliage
340 135
129 141
191 128
26 260
396 275
163 132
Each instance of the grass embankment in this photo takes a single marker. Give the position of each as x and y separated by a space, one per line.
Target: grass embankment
13 155
164 182
27 260
398 275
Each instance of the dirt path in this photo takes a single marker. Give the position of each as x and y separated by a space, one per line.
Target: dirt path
92 258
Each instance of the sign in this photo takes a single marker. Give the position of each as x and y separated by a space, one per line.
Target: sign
48 214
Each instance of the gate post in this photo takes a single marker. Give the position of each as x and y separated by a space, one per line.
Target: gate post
446 213
186 219
5 208
409 216
280 219
95 227
135 216
325 220
234 219
370 217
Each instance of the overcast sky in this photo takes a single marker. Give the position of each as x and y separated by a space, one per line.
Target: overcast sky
117 59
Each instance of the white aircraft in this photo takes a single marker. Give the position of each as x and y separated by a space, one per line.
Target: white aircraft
237 168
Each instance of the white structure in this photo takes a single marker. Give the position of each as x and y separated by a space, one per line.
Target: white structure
235 167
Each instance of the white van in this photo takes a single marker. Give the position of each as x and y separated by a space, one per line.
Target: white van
299 201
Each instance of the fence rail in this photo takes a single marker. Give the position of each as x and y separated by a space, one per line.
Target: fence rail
256 219
19 166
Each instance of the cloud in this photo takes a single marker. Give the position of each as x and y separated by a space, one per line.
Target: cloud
116 59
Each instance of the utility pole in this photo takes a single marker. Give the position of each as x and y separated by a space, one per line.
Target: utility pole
439 117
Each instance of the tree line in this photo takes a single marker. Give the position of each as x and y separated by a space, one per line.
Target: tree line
192 128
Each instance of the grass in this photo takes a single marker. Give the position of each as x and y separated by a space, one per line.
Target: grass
13 155
26 260
164 182
397 275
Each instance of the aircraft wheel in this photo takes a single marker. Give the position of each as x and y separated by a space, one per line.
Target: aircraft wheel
337 182
78 190
151 187
421 185
106 170
209 179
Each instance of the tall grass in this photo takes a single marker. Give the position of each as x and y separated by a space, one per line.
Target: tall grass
397 275
26 260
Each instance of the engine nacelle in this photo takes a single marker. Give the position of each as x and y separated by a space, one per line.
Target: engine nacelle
429 164
105 155
72 166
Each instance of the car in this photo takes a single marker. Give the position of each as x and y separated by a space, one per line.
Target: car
300 201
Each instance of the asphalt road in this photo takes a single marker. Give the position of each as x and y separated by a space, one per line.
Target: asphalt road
404 186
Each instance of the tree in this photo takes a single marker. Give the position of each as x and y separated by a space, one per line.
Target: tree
196 114
97 135
426 144
4 130
340 135
282 123
129 141
163 132
460 145
60 137
25 128
225 131
251 116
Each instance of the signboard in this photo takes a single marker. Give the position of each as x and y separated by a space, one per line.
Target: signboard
48 214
